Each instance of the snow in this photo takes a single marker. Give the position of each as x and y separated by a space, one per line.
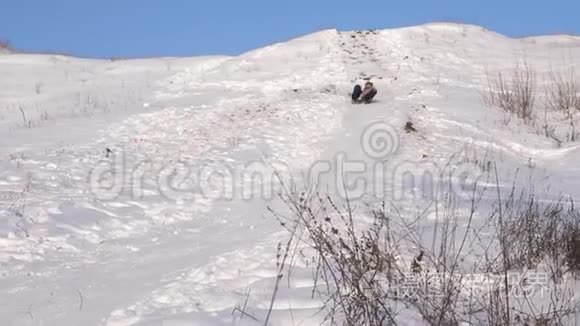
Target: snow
146 246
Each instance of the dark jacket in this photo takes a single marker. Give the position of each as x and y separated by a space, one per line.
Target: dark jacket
367 90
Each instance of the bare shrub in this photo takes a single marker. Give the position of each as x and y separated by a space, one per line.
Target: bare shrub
25 122
563 93
562 96
349 263
537 232
514 94
571 238
539 240
18 209
360 271
360 274
549 129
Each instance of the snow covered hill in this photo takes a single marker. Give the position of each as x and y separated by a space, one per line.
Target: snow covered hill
135 192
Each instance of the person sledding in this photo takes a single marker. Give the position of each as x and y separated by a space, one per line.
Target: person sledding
364 96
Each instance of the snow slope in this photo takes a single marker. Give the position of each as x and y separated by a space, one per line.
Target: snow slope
148 245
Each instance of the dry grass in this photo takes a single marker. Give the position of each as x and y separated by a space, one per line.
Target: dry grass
515 94
562 95
359 269
349 264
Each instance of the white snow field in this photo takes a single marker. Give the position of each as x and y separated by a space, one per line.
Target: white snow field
110 212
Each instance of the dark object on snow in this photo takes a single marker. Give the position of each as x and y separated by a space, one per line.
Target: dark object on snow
409 127
573 249
356 93
365 95
416 265
108 152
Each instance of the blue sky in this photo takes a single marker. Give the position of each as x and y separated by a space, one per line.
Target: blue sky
136 28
